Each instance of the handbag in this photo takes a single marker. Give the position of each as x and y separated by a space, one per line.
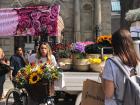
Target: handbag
92 93
4 69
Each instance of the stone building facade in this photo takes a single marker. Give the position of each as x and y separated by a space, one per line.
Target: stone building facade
80 19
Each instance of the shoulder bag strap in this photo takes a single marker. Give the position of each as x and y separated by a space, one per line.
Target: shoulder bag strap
120 65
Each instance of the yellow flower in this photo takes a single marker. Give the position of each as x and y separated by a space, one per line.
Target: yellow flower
95 60
39 70
34 78
105 58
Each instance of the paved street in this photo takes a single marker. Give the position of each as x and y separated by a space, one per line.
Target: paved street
8 85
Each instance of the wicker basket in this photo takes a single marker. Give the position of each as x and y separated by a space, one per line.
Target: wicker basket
81 64
81 67
67 63
97 67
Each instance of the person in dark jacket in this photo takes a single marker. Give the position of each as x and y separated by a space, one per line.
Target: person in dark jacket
17 61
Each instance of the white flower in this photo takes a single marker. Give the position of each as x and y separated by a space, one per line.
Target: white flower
133 15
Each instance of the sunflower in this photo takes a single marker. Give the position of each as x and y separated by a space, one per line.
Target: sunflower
39 70
34 78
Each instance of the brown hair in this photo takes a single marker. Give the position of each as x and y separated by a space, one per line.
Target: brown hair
49 53
123 47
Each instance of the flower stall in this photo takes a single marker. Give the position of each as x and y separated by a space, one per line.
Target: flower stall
71 57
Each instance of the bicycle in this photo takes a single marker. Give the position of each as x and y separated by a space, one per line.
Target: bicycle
20 92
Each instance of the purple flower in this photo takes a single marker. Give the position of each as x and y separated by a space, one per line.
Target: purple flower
79 47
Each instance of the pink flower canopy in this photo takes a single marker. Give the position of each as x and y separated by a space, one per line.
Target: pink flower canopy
29 21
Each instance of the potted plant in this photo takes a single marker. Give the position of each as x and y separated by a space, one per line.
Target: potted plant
95 50
64 55
97 64
80 62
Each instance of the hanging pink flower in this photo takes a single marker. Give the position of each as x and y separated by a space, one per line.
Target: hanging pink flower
36 15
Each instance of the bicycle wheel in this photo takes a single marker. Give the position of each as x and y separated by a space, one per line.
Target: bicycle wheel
9 96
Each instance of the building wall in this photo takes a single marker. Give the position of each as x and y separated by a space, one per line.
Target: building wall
115 23
87 18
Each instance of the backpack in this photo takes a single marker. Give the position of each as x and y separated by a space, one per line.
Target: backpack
132 86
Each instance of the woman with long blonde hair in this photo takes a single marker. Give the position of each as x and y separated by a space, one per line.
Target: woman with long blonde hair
43 55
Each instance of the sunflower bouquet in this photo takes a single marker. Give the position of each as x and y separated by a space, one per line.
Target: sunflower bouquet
32 74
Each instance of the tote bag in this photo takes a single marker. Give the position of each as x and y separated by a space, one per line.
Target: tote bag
92 93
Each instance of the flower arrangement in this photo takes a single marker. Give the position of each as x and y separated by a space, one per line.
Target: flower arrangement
62 50
97 64
102 41
79 48
32 74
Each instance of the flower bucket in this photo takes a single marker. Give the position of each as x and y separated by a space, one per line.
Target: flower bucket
65 63
81 64
97 67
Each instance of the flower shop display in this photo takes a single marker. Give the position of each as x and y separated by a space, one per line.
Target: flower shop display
95 50
80 62
97 64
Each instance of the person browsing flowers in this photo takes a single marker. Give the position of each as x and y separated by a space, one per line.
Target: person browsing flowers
44 55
